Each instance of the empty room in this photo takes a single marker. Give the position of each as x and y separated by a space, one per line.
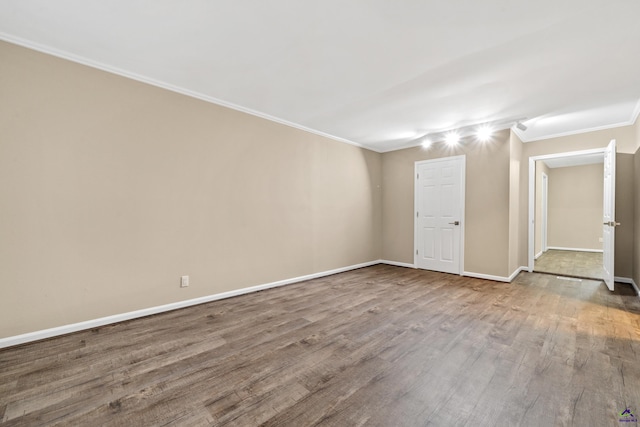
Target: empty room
333 213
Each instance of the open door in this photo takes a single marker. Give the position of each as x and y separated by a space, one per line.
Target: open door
609 213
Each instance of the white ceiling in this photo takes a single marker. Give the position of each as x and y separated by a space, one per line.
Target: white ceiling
377 73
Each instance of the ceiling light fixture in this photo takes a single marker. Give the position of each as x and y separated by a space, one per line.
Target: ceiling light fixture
452 138
484 133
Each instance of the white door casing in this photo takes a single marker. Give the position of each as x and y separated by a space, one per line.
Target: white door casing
439 214
609 214
545 210
532 192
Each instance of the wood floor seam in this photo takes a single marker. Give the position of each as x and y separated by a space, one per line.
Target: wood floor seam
380 346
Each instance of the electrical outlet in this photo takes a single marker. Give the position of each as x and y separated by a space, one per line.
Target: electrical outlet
184 281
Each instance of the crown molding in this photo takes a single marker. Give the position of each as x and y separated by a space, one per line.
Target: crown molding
212 100
573 132
167 86
636 113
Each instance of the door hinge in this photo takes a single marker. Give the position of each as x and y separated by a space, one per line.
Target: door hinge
416 252
417 214
418 176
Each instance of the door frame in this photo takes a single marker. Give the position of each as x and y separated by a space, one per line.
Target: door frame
532 194
545 210
463 173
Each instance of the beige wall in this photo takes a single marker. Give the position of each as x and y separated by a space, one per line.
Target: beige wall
111 189
486 249
541 167
624 136
575 207
625 215
626 142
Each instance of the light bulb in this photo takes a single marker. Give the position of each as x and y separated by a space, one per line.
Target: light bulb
452 138
484 133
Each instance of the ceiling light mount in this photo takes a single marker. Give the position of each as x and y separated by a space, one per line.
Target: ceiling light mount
481 132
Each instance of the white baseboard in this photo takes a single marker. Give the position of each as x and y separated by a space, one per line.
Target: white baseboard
465 273
485 276
496 278
397 264
518 271
629 281
94 323
558 248
538 255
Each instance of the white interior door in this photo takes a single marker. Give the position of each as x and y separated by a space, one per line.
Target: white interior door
609 213
439 205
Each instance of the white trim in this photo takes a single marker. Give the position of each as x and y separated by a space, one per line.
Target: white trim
532 194
558 248
177 89
94 323
497 278
102 321
463 173
397 264
570 154
538 255
628 280
516 272
636 113
531 237
576 132
114 70
544 227
486 276
518 133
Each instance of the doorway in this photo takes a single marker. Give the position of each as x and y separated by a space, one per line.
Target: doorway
593 260
568 221
439 214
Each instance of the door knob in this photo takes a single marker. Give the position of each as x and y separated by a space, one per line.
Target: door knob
455 223
611 223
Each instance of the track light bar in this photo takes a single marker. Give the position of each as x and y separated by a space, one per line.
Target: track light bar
482 131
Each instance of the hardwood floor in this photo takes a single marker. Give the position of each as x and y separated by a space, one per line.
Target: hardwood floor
380 346
571 263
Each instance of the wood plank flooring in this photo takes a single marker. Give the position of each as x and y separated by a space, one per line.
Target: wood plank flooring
379 346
